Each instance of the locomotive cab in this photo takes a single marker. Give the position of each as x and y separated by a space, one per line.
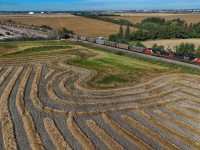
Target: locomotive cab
196 60
148 51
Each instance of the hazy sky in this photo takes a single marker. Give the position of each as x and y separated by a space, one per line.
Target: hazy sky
95 4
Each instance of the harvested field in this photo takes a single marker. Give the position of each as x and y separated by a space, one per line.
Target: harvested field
137 17
80 25
171 43
56 102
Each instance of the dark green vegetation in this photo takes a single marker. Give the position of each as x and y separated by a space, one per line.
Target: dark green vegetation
8 45
158 46
37 49
186 48
159 28
102 18
63 32
45 27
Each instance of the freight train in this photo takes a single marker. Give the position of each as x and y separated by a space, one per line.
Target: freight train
150 51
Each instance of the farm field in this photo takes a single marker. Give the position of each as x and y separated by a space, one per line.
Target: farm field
171 43
70 95
138 17
79 25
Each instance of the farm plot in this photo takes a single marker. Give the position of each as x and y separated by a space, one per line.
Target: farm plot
48 105
138 17
80 25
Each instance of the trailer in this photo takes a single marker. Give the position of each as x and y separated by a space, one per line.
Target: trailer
136 49
92 40
109 43
75 36
122 46
83 38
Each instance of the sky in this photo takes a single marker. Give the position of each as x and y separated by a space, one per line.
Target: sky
71 5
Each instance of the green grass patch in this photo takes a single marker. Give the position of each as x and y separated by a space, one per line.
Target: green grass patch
113 78
37 49
8 45
114 69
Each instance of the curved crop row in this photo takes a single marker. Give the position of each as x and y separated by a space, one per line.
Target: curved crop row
109 141
55 135
173 132
5 118
29 125
79 135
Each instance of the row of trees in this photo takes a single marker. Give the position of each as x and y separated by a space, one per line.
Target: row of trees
121 36
106 19
154 27
124 37
184 48
159 28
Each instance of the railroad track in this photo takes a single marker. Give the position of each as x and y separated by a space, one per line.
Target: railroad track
172 61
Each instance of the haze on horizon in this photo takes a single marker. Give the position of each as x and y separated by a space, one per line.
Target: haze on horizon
68 5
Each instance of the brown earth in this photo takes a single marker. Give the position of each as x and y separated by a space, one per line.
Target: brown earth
79 25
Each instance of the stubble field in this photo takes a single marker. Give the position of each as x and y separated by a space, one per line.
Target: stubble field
80 25
48 100
172 43
138 17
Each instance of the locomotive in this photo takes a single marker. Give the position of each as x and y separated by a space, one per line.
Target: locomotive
149 51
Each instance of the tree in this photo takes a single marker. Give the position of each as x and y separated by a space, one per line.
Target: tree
198 50
121 32
161 47
127 33
139 44
186 48
113 37
62 33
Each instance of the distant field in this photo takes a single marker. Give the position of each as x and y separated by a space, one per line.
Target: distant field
137 17
172 42
79 25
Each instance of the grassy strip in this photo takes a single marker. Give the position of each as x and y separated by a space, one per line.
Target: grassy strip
8 45
37 49
29 125
183 69
150 90
5 118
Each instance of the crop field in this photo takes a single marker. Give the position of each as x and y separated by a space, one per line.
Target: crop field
171 42
63 96
138 17
79 25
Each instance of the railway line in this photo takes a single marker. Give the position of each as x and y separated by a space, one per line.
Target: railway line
114 49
